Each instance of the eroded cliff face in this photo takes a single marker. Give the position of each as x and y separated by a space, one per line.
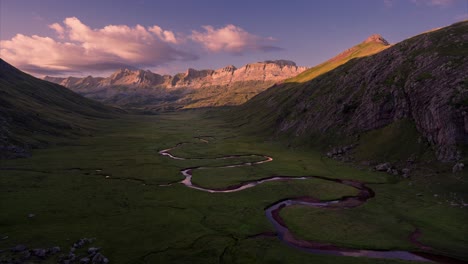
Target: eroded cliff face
260 71
135 83
422 79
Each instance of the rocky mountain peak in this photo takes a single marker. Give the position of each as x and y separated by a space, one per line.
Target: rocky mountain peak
281 63
376 38
229 68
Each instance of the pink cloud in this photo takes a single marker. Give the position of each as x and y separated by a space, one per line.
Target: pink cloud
388 3
441 3
82 48
231 39
58 29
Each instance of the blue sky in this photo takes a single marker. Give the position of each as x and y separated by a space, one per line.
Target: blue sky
202 34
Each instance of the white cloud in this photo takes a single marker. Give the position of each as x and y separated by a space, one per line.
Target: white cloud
441 3
85 49
231 39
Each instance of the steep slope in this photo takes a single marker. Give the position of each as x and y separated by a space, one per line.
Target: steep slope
194 88
418 87
32 111
373 44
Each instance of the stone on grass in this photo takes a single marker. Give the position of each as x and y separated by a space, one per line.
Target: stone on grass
19 248
458 167
383 166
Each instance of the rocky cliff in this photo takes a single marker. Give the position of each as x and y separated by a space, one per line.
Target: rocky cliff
422 80
131 83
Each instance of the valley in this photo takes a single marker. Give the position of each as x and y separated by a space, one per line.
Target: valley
122 188
359 159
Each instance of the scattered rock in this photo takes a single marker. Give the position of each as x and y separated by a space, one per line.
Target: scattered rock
31 215
458 167
26 254
19 248
436 195
39 252
99 258
85 260
54 250
383 167
405 172
340 153
93 250
80 243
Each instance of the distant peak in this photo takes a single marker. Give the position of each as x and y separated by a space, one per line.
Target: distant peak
377 38
281 62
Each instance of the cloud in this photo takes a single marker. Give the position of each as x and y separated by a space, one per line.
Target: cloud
58 28
440 3
388 3
82 48
231 39
165 35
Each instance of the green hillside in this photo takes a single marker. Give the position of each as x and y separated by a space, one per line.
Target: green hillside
33 112
402 90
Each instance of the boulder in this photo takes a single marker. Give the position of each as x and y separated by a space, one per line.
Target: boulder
19 248
54 250
93 250
383 167
458 167
98 258
39 252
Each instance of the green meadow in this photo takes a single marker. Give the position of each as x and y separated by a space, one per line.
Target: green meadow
111 186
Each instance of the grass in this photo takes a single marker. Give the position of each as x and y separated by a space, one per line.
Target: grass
385 143
360 50
136 221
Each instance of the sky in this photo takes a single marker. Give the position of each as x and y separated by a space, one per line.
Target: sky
79 38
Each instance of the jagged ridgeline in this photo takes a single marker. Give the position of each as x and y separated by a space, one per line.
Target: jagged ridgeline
34 112
194 88
408 98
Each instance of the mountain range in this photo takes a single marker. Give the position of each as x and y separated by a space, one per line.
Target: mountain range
194 88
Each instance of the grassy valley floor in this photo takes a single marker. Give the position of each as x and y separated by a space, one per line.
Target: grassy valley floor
116 187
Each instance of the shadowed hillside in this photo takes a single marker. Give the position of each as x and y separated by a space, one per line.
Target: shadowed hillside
33 111
409 96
